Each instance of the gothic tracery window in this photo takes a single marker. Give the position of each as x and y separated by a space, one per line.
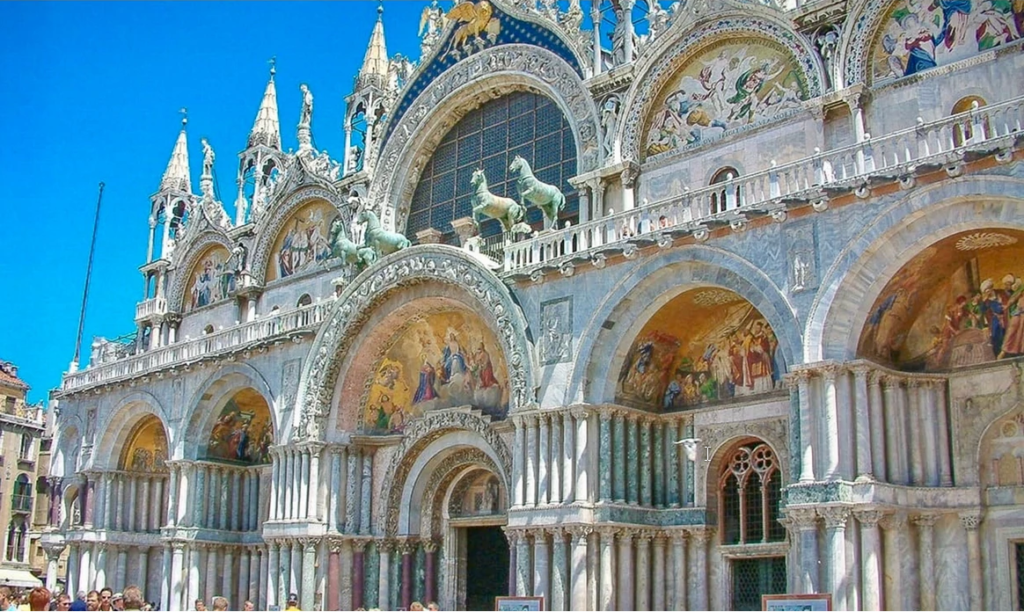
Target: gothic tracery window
750 489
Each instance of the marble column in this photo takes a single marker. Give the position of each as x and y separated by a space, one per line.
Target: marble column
244 577
367 492
971 522
193 578
806 427
334 574
71 572
605 458
358 572
606 600
555 466
659 473
680 572
672 466
518 467
177 594
877 425
239 492
659 580
295 567
384 579
304 485
632 459
942 420
531 460
352 491
543 482
930 434
835 533
143 513
541 565
699 542
895 445
289 485
121 569
624 571
568 477
335 498
917 432
272 587
559 571
524 565
579 571
862 423
315 507
893 527
430 570
118 516
52 559
643 556
870 559
407 548
165 578
142 579
926 559
806 523
308 590
259 569
227 578
830 429
619 458
644 458
511 538
107 521
275 483
210 579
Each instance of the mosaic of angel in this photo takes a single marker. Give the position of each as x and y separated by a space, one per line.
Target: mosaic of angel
243 431
920 34
726 350
440 361
305 242
723 88
213 279
959 302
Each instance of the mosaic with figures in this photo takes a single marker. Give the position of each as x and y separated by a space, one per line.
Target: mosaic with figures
703 346
440 360
959 302
212 279
243 431
920 34
724 86
303 242
146 450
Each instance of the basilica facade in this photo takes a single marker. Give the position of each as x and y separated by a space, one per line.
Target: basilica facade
626 305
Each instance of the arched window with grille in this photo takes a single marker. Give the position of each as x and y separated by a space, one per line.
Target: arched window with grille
972 128
750 489
16 533
21 498
728 196
305 300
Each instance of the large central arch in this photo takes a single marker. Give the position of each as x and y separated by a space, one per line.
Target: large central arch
483 76
434 263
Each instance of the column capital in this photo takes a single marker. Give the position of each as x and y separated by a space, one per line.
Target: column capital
868 518
644 536
895 521
875 378
678 536
607 531
830 371
309 544
178 546
803 518
970 520
430 545
334 545
579 413
386 545
626 534
580 532
914 383
605 415
834 516
925 519
633 417
360 544
702 535
891 381
407 546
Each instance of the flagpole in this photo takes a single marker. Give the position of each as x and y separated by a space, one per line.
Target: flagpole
88 275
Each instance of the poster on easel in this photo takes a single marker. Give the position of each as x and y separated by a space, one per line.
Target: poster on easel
525 604
812 602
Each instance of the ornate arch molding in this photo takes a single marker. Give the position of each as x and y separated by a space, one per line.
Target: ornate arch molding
668 58
270 226
656 280
423 433
483 76
898 233
202 408
863 20
119 423
446 476
407 268
209 238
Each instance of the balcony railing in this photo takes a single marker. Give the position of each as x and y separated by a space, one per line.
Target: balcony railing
986 129
150 307
189 351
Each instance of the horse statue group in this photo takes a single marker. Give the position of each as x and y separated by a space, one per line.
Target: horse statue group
377 241
510 212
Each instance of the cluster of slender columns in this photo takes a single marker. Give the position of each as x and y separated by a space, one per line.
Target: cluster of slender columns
611 567
215 496
864 422
206 570
126 501
314 482
821 559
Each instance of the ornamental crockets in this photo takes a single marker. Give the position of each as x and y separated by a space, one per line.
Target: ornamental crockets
532 191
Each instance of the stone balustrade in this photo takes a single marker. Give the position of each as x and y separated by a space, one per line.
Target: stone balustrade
895 156
149 308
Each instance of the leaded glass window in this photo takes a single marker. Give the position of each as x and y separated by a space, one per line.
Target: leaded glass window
752 578
489 137
750 490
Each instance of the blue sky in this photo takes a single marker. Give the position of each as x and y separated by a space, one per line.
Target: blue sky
90 92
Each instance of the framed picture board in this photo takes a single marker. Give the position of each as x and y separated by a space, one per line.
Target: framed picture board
814 602
526 604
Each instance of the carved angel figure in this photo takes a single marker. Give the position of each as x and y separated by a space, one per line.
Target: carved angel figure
208 158
431 25
306 118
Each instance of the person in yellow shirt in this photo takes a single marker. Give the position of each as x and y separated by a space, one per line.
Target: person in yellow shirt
293 602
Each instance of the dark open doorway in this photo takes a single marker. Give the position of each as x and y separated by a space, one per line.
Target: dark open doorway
486 567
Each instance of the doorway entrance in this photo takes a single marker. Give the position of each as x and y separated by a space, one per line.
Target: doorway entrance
486 566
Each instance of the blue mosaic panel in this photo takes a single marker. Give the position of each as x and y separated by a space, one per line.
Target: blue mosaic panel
513 31
489 137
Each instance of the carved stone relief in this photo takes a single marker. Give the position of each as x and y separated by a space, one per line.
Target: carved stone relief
802 257
556 331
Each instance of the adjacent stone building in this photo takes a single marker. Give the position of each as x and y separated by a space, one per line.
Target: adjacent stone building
741 313
22 430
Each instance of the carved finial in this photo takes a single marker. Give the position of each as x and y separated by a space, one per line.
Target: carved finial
380 10
273 66
184 117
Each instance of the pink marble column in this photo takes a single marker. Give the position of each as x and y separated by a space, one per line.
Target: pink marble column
358 573
430 547
334 576
407 549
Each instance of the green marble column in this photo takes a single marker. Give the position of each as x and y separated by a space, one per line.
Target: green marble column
632 460
605 458
619 462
